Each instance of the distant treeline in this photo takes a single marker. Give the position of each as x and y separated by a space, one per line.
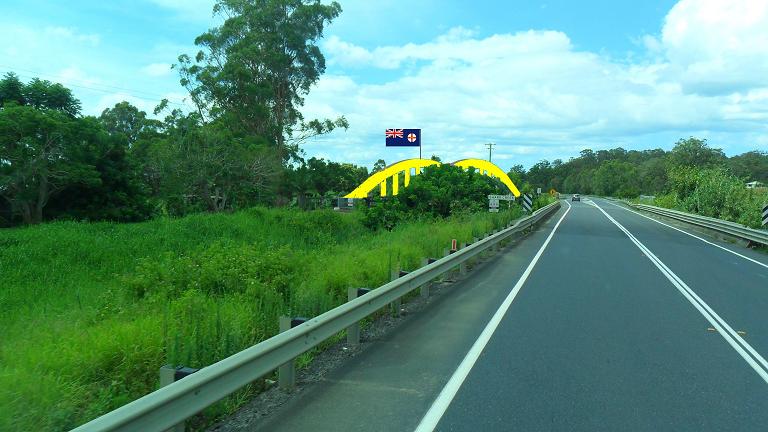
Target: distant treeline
622 173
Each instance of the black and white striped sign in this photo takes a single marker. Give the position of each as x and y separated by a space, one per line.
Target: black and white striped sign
765 215
527 203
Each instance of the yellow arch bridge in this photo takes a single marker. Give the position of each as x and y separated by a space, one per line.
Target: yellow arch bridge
411 167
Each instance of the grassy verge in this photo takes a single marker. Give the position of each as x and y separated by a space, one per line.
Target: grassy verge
91 311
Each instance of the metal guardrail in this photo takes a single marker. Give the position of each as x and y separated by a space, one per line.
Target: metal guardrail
182 399
726 227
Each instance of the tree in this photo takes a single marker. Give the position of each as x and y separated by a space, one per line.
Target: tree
540 175
695 152
444 189
11 89
517 174
40 154
254 70
379 165
750 166
198 167
616 178
118 195
43 94
127 120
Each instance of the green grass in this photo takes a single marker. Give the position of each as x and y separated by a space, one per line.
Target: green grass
92 310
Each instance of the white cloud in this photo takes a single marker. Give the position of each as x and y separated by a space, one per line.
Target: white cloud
537 96
718 47
157 69
72 35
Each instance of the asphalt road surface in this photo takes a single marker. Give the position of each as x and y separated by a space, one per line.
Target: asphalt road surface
602 320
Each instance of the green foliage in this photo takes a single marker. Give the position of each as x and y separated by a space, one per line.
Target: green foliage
11 89
41 153
714 192
616 178
320 177
695 152
750 166
254 70
440 191
129 122
85 329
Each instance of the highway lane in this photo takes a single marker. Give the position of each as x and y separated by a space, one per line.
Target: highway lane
599 338
736 288
391 384
600 333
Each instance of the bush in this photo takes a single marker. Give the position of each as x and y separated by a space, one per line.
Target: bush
714 192
440 191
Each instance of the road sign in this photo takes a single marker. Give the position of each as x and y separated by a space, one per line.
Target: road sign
453 244
765 215
509 197
493 205
538 191
527 202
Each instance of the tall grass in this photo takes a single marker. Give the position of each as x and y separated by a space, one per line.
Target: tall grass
92 310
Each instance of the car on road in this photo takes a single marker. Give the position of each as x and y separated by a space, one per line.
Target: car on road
576 197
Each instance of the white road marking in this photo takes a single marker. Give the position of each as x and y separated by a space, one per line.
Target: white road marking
725 330
692 235
444 399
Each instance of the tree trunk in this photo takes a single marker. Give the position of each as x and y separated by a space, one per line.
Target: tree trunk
26 213
42 199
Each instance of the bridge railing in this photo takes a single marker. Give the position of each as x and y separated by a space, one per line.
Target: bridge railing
174 403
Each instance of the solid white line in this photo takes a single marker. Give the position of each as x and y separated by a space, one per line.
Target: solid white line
687 233
725 330
440 405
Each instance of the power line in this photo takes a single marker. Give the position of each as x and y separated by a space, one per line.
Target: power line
104 88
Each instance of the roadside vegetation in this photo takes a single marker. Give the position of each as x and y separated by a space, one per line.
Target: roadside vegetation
92 310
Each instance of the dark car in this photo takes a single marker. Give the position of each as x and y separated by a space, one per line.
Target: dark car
576 197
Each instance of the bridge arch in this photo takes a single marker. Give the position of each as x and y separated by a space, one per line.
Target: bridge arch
490 170
379 179
394 170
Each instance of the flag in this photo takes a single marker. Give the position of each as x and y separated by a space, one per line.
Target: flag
403 137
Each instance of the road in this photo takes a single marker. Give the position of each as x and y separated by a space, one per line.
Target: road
602 320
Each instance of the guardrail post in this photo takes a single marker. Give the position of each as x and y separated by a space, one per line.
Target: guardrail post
463 265
424 289
286 373
353 331
395 305
169 375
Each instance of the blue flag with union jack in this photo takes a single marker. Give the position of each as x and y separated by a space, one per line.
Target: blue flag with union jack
403 137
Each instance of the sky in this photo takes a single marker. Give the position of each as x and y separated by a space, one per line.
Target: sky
541 80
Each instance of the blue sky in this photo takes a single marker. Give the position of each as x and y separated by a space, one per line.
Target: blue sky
540 79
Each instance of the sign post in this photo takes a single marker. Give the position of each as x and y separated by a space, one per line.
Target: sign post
493 201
